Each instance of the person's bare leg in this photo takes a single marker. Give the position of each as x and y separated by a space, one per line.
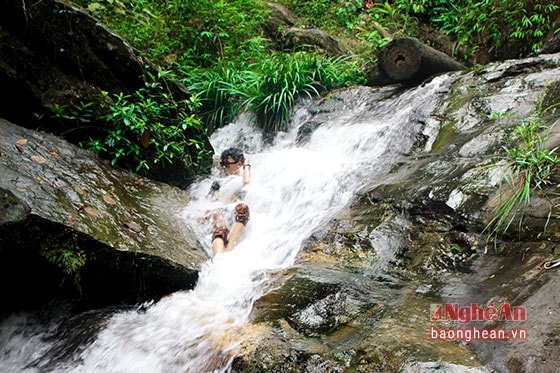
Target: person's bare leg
218 246
234 235
220 233
241 218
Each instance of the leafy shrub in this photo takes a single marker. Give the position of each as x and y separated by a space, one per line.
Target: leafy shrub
327 14
145 128
222 28
285 78
220 92
151 119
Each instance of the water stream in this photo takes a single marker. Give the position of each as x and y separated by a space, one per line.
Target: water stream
295 190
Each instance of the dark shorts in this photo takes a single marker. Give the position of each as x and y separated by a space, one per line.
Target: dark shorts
242 215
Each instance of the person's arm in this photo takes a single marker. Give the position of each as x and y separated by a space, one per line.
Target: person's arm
246 173
213 190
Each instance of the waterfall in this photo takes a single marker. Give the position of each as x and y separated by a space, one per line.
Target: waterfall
296 188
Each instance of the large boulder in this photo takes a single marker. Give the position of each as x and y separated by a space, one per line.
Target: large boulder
58 196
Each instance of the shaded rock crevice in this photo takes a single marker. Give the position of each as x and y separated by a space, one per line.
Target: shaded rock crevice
42 261
54 53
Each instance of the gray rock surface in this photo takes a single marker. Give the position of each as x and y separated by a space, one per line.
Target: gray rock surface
45 176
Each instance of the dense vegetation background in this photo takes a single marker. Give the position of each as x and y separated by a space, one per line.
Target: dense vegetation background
222 52
218 49
203 33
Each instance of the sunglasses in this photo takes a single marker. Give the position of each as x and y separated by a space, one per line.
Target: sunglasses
225 164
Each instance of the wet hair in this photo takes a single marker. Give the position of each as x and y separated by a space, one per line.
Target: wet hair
235 153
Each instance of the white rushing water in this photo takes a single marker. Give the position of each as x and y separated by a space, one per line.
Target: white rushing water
295 190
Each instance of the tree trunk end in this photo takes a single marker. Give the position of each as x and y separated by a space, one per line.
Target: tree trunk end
408 60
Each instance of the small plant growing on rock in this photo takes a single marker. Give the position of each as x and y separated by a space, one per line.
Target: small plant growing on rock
63 251
531 164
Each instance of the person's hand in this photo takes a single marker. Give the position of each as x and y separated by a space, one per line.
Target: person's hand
246 171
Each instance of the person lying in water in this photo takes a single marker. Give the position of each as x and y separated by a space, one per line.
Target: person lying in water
233 163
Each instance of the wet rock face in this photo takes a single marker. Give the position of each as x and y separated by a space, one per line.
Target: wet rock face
417 239
52 191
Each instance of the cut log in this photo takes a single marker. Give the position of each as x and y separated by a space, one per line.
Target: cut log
407 60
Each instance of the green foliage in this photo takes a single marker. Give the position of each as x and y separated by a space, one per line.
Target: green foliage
148 126
218 49
63 251
531 164
327 14
501 28
399 18
82 112
151 119
140 22
220 91
282 80
204 33
224 27
193 31
286 78
505 28
269 88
